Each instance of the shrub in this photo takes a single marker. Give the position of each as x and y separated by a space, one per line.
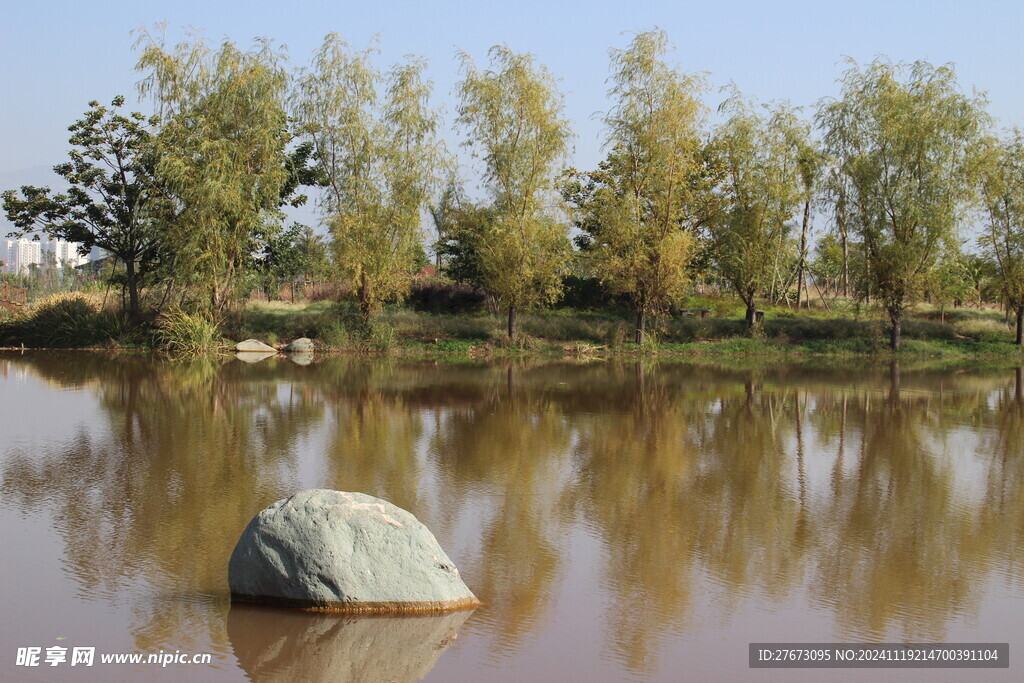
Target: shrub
67 319
693 329
380 338
587 293
616 335
432 295
566 327
522 342
334 335
583 350
985 330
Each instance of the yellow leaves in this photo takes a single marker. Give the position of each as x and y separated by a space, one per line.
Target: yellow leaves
513 115
642 206
220 150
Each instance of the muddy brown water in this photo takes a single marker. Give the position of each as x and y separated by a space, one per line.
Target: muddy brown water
619 521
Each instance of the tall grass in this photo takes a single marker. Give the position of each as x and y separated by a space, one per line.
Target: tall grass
180 333
66 320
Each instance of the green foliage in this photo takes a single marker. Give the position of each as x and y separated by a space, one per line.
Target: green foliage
1002 192
381 337
949 280
221 155
903 137
513 116
827 263
463 228
335 336
113 201
292 255
180 333
762 183
640 210
378 157
616 335
434 295
63 320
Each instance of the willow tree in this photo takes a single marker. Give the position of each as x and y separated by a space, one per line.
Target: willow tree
761 187
1002 194
379 157
834 185
221 151
810 163
904 136
512 114
640 210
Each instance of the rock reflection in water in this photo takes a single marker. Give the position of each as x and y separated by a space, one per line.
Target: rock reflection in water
292 645
873 503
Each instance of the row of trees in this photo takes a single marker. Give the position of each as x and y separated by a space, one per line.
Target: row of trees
190 199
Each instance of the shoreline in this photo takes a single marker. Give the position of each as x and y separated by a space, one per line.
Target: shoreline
737 349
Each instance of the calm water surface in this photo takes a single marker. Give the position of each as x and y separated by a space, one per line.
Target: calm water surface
618 521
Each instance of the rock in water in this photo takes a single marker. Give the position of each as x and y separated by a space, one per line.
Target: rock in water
300 345
345 552
254 345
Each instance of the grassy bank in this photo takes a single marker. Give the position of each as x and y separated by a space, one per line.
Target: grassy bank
69 321
565 332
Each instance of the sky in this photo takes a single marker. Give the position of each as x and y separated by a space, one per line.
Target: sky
57 56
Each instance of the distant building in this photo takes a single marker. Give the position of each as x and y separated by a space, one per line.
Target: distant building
64 253
18 255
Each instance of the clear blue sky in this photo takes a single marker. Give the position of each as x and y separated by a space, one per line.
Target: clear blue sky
57 56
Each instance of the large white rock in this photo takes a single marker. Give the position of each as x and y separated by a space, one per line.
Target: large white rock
300 345
340 551
254 345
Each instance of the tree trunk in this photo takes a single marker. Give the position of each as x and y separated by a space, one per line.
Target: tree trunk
641 325
512 322
751 314
867 276
895 330
132 281
365 299
803 253
1020 326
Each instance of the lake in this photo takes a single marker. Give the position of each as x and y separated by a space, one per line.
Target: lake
619 521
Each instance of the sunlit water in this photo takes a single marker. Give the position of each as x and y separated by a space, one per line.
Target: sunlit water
618 521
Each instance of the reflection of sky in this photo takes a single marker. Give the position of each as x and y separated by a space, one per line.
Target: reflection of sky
576 632
39 415
958 449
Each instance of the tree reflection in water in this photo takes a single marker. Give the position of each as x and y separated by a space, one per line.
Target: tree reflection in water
889 496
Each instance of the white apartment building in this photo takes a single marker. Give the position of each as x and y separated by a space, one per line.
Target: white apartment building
64 253
18 255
